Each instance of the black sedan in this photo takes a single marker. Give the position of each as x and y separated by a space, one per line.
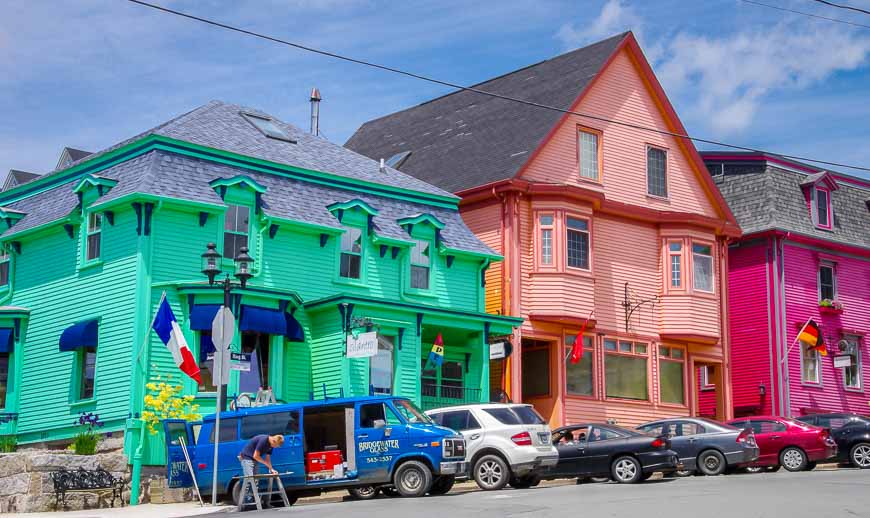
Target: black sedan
596 450
704 445
850 431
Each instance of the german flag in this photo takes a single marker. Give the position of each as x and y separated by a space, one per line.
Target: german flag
811 335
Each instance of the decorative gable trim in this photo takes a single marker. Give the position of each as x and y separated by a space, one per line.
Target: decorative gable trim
823 179
409 222
10 216
245 182
101 183
337 209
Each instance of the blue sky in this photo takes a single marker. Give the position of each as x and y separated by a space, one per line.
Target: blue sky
90 73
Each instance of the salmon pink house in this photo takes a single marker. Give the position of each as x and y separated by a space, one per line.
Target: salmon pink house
596 221
805 253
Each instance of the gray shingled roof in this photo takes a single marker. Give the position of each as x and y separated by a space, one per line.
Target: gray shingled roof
771 198
467 139
18 177
219 125
167 174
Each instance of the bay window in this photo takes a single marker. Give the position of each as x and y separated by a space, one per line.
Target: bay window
351 253
675 264
577 242
545 221
579 377
236 228
671 375
625 369
702 267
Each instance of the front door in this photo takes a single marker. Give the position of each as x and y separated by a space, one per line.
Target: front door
537 377
380 436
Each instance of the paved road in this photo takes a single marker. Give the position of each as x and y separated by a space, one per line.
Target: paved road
819 494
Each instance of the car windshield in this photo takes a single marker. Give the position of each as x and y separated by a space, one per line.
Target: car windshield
410 412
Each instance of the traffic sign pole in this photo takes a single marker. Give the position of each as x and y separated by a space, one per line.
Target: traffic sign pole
223 329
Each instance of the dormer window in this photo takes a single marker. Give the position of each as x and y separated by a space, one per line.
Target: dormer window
267 126
420 265
95 232
351 253
823 208
236 228
4 268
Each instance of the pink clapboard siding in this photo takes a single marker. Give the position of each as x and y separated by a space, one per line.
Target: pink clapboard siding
801 293
750 327
621 93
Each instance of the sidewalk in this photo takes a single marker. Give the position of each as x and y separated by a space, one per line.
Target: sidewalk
138 511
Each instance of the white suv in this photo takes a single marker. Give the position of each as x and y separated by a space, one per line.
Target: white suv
505 443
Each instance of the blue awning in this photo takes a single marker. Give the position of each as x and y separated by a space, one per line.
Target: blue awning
294 333
206 346
6 334
263 320
82 334
202 315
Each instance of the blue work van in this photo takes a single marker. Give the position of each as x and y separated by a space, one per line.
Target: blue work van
331 444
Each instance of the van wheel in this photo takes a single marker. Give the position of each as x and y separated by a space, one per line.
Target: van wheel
626 470
442 485
793 459
711 463
363 492
491 472
413 478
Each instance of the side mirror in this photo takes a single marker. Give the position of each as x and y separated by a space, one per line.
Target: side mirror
379 423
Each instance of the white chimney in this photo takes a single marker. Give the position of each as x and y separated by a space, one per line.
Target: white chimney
315 111
383 166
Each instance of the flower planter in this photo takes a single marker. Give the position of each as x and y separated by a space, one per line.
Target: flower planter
830 310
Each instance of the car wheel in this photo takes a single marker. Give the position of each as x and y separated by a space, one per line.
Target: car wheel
442 485
626 470
491 472
793 459
711 463
525 482
860 455
363 492
413 478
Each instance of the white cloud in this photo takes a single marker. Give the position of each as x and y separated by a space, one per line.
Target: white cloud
615 17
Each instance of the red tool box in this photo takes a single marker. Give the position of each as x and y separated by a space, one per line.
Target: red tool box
322 460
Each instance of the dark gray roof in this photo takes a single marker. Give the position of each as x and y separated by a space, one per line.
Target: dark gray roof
766 197
220 125
77 154
178 176
16 177
467 139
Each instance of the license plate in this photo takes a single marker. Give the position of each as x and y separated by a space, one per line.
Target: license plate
544 436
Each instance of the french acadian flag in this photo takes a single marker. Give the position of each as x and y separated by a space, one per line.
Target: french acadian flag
168 330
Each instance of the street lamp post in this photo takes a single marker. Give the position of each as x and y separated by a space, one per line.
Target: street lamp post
211 268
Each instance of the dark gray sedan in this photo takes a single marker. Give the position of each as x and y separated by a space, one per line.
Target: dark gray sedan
706 446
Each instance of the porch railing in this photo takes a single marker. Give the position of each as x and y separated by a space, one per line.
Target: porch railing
437 396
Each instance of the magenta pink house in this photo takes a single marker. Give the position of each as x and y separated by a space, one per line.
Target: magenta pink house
804 253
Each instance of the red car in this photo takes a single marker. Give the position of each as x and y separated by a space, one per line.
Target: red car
794 445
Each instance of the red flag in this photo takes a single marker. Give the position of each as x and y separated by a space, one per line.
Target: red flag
577 350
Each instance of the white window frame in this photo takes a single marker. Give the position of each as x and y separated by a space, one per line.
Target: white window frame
855 341
234 230
420 259
346 237
712 257
5 262
94 228
816 359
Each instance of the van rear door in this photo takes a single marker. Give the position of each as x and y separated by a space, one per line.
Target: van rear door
179 437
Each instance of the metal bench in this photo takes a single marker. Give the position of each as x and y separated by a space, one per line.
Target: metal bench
86 481
254 482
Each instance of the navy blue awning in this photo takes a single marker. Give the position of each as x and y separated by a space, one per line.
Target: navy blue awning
206 346
82 334
294 333
263 320
202 315
6 334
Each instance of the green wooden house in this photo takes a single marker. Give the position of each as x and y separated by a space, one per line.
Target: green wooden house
341 245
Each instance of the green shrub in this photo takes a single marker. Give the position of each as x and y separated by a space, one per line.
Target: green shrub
8 443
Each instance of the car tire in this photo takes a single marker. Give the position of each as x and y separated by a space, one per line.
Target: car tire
711 463
859 455
412 479
525 481
491 472
626 470
793 459
442 485
363 492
